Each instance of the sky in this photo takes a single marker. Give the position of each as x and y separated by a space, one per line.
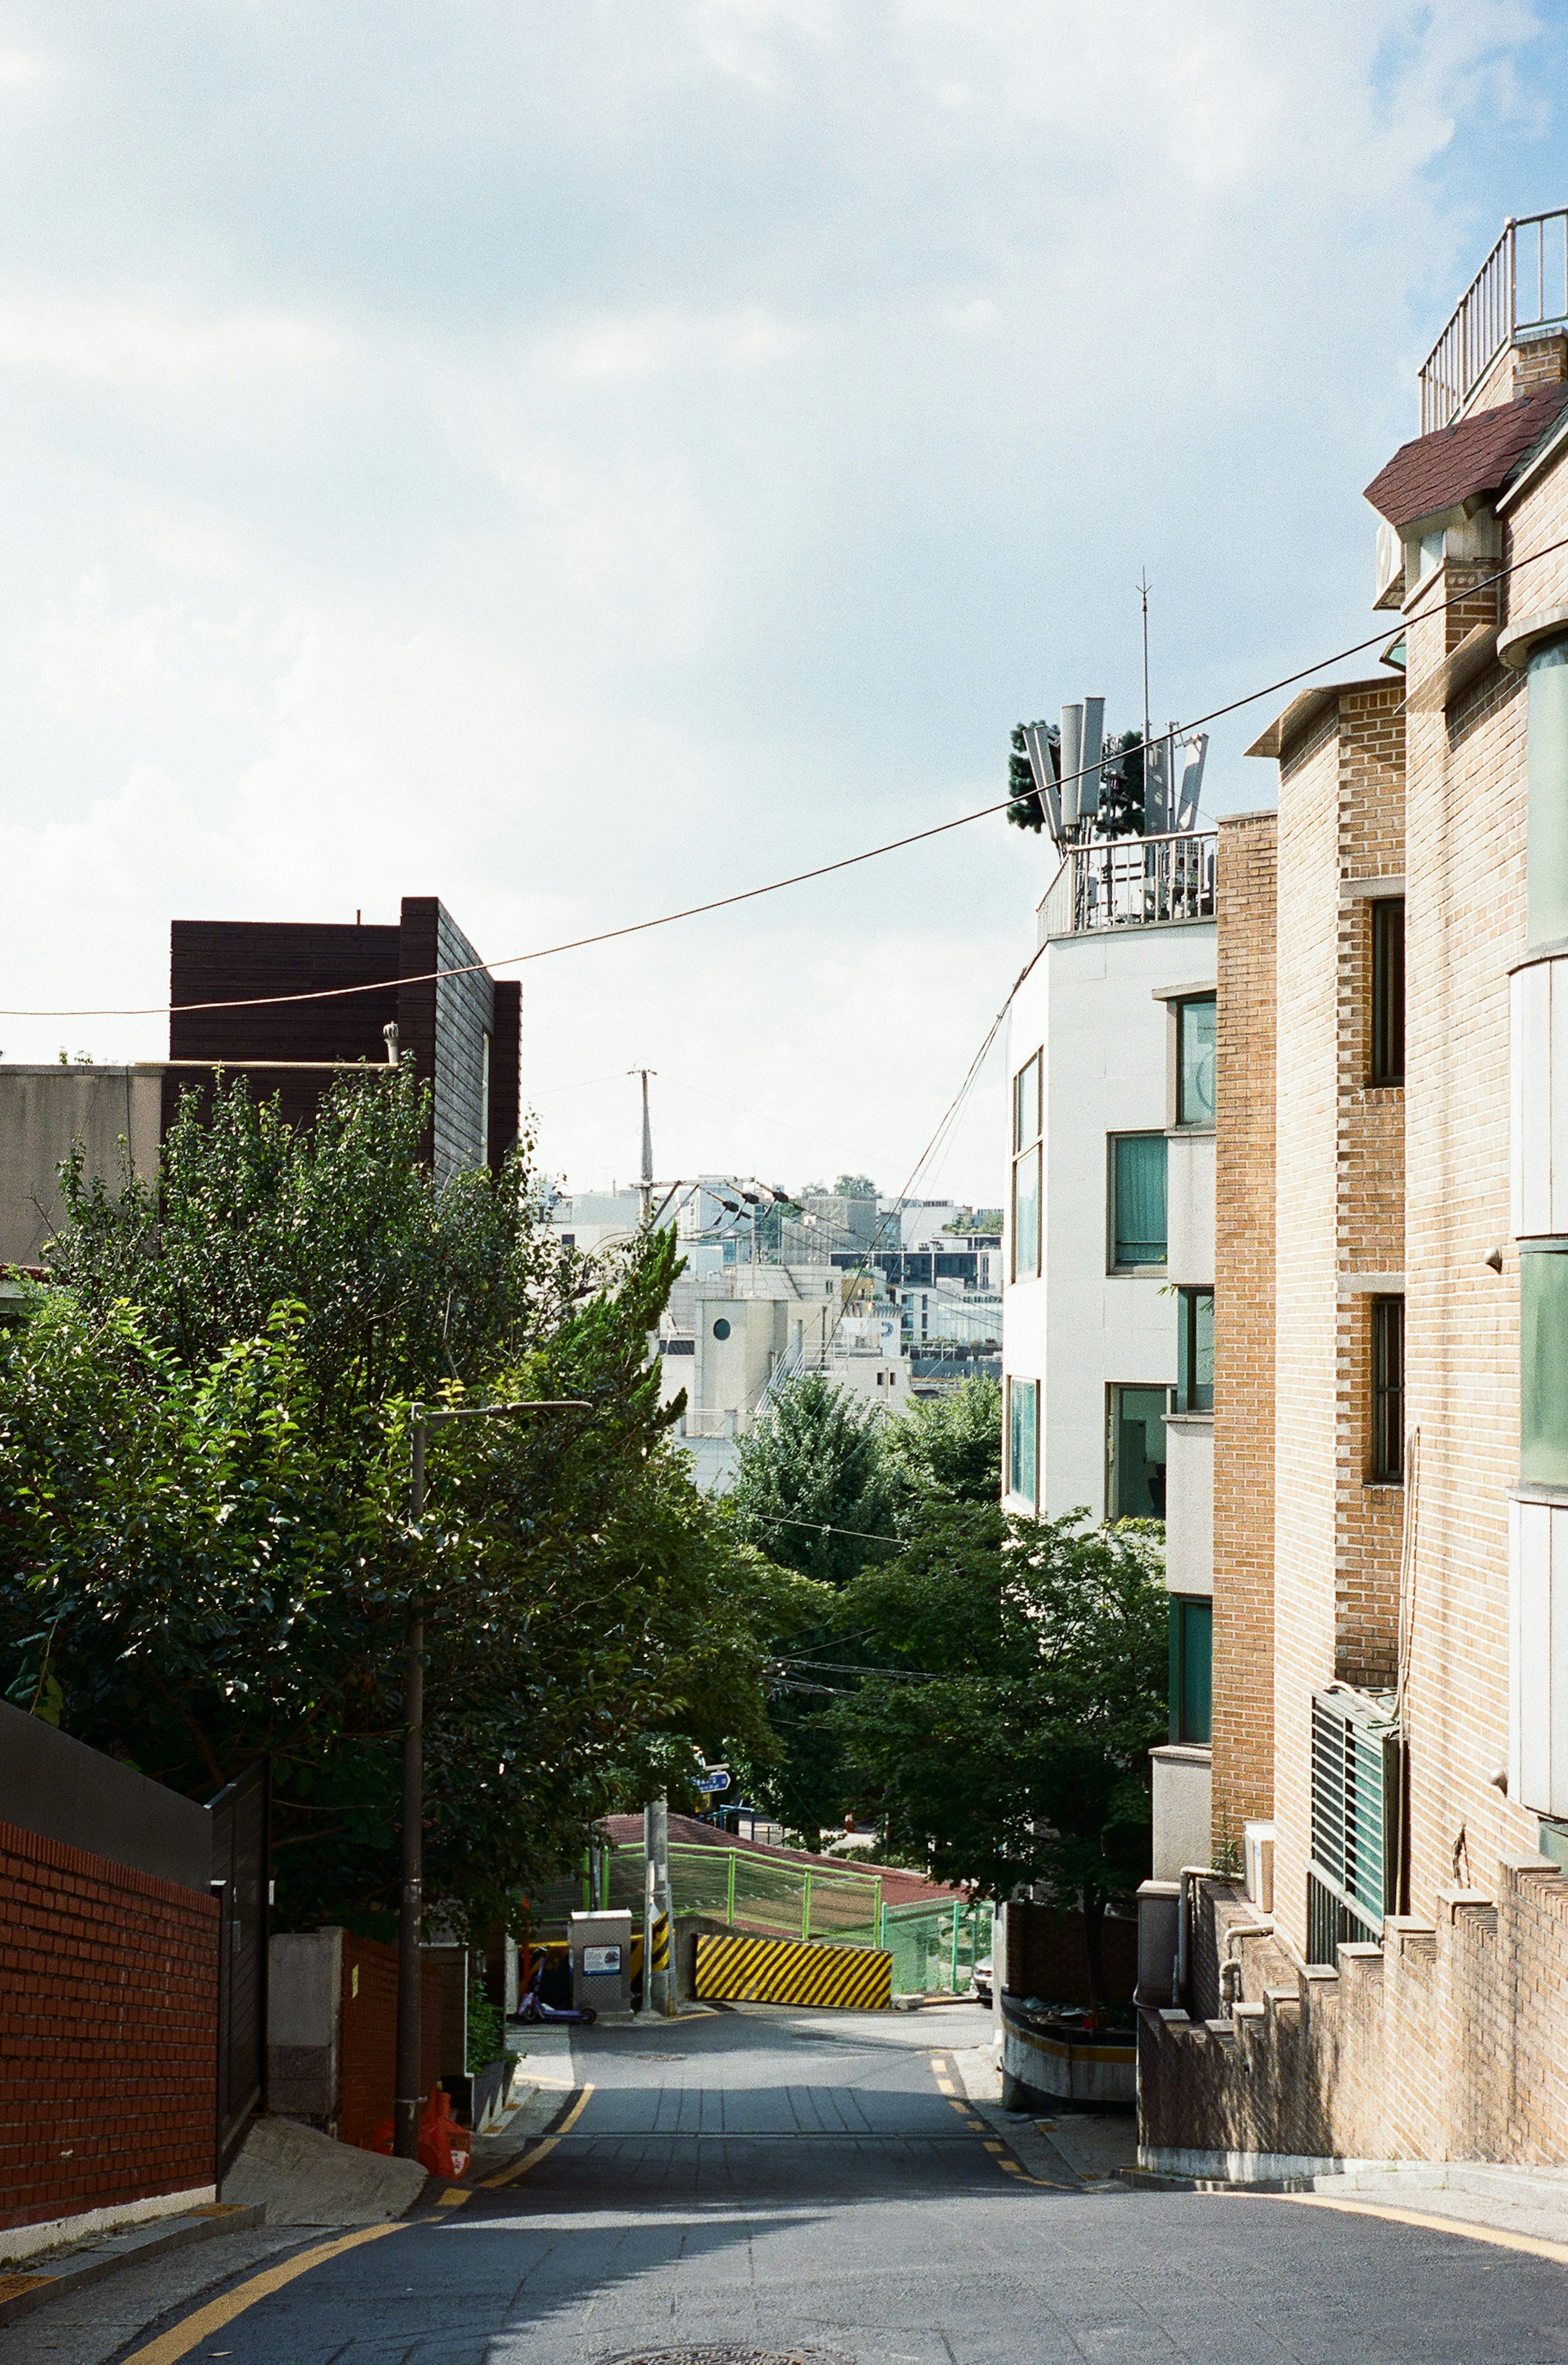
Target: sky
584 457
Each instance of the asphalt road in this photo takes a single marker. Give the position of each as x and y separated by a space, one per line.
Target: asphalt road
771 2181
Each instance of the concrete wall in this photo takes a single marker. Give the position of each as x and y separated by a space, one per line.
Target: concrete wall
1182 1791
113 1112
1190 1504
1080 1329
1190 1186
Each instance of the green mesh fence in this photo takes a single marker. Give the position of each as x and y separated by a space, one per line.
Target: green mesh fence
935 1947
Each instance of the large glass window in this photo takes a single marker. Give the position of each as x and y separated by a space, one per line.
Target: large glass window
1388 990
1137 1453
1195 1352
1137 1200
1024 1439
1387 1391
1543 1374
1026 1161
1546 865
1195 1061
1191 1669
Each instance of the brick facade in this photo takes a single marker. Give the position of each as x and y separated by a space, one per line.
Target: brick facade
1445 2040
109 2034
1243 1730
367 2043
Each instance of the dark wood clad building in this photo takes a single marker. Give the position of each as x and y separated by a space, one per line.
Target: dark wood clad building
461 1035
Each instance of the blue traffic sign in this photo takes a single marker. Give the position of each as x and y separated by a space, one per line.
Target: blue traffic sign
717 1780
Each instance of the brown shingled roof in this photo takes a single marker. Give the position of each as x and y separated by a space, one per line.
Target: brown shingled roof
1474 455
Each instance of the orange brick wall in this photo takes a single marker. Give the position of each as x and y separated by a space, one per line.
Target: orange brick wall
1243 1739
108 2033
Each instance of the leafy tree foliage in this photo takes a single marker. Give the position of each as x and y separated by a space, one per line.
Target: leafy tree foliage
811 1490
204 1541
946 1449
1121 808
1011 1744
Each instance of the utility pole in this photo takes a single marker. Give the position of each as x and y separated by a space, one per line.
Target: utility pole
658 1982
408 2097
646 1185
1145 588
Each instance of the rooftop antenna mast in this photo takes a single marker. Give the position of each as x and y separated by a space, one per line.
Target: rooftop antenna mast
1145 588
645 1187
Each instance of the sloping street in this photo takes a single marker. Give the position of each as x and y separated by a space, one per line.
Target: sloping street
760 2182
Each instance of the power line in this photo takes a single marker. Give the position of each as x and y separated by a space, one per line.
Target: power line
773 886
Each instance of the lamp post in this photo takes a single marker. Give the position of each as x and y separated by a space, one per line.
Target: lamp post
410 1904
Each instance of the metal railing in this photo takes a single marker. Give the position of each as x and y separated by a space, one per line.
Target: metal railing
1523 284
1131 883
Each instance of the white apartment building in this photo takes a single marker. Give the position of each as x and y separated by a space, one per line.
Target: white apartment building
1108 1247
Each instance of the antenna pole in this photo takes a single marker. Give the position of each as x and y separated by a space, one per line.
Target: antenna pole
646 1185
1145 588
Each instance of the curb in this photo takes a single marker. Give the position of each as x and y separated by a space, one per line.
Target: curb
21 2291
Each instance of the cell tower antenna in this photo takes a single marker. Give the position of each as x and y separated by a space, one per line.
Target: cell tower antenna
646 1185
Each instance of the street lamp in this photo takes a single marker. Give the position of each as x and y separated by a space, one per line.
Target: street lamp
410 1907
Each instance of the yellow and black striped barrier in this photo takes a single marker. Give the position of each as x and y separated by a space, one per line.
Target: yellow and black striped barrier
793 1971
660 1942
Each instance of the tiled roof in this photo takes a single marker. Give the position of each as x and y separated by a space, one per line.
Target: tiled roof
1474 455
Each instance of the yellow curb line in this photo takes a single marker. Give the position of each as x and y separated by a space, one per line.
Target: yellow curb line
185 2337
1532 2245
509 2175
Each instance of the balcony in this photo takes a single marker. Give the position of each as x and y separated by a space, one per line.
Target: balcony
1131 883
1539 1128
1523 284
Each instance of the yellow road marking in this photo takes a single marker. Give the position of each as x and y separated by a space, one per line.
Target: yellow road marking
510 2175
939 2067
183 2337
943 2085
1532 2245
453 2199
978 2124
992 2147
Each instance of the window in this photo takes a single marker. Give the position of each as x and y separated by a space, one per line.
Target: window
1024 1439
1543 1362
1546 861
1026 1170
721 1329
1137 1200
1387 1066
1191 1669
1195 1352
1355 1808
1387 1391
1195 1061
1136 1455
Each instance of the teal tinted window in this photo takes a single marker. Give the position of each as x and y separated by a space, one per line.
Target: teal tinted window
1547 859
1137 1489
1195 1352
1195 1061
1543 1360
1138 1199
1024 1439
1192 1670
1026 1216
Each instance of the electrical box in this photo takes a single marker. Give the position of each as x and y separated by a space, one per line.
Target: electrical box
601 1947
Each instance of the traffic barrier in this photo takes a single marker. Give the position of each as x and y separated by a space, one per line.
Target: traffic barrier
792 1970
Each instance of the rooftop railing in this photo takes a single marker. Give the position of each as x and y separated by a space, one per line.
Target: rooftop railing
1131 883
1523 284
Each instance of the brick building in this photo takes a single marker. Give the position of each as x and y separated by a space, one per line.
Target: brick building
1391 1612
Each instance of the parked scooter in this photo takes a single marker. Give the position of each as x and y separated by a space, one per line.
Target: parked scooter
533 2007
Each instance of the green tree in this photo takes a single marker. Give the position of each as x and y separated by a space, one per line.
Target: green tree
947 1448
813 1492
1010 1745
205 1547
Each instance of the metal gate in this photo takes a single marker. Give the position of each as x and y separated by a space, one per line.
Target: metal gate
241 1816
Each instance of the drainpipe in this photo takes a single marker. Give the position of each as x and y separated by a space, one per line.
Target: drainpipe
1183 1907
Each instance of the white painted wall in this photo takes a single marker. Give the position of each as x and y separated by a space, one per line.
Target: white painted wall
1183 1783
1090 1002
1189 1503
1190 1187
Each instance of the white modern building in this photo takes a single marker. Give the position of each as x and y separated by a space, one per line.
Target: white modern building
1108 1249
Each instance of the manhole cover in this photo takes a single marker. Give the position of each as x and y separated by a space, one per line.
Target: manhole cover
728 2356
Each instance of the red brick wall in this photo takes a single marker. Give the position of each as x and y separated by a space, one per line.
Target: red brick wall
108 2033
368 2043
